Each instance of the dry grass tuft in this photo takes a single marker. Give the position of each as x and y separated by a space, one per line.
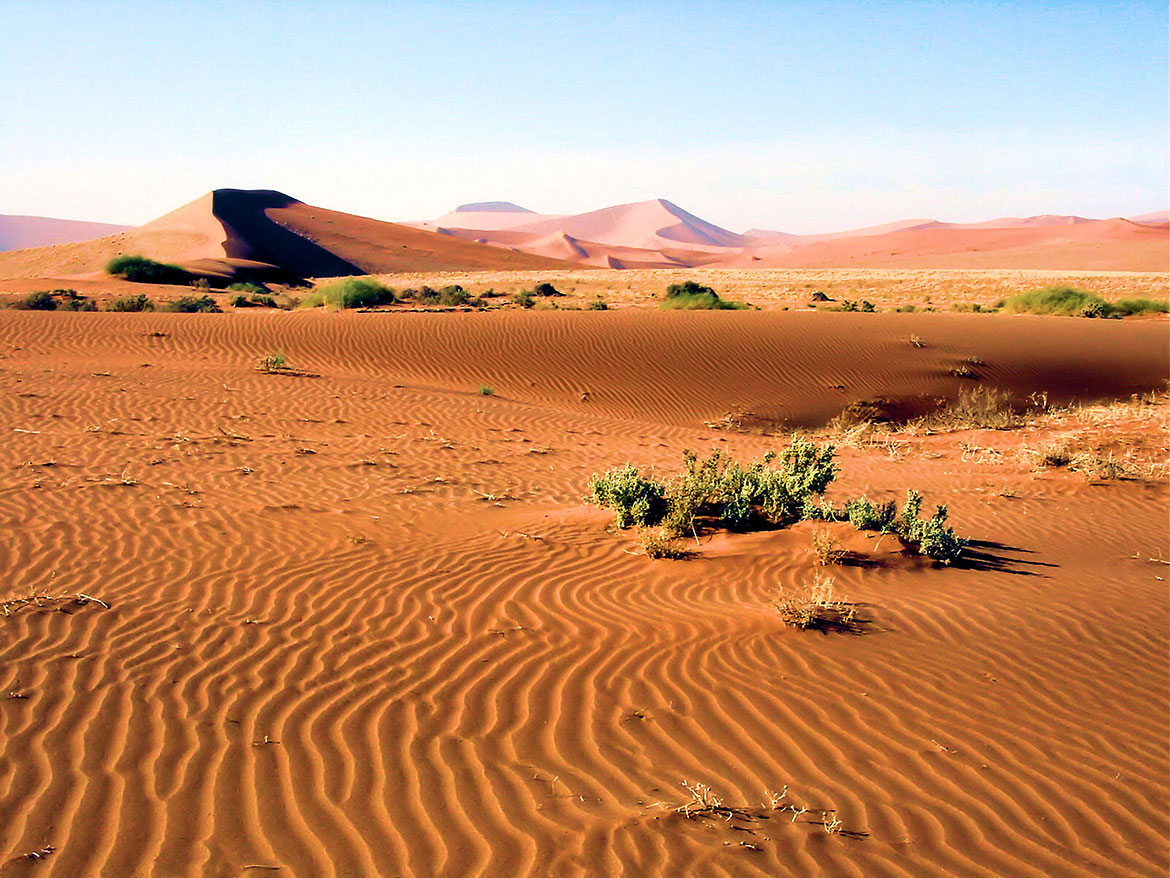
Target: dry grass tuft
827 547
655 544
815 607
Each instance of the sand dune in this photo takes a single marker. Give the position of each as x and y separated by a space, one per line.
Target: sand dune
230 231
362 624
1102 245
19 232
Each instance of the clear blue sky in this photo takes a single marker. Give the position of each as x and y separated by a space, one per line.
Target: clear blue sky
795 116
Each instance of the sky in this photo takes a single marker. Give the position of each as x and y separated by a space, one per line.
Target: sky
800 117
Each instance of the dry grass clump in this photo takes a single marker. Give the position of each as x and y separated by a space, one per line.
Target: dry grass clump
976 408
657 545
827 547
815 607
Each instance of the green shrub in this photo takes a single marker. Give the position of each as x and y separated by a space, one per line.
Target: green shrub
39 301
1129 307
193 305
692 296
133 303
545 289
930 536
426 294
598 304
524 300
55 300
486 390
1070 302
246 287
864 514
634 500
256 301
139 269
274 362
350 292
453 295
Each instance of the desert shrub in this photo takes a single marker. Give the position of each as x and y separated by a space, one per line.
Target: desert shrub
133 303
976 408
256 301
827 547
193 305
692 296
1062 300
598 304
928 536
408 294
139 269
453 295
38 301
864 514
719 487
634 499
350 292
906 309
815 606
274 362
524 299
486 390
1129 307
656 544
545 289
247 287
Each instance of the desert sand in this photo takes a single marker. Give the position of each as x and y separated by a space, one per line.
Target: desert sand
356 618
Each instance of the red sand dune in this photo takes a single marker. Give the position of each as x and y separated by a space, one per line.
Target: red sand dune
230 230
658 234
363 623
20 232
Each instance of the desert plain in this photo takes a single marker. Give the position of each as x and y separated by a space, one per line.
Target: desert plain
352 613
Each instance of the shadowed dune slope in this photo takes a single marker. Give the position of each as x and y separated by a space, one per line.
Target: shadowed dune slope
361 624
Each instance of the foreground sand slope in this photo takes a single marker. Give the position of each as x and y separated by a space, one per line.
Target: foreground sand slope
361 624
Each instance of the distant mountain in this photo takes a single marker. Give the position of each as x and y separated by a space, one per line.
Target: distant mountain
1151 219
263 233
18 232
492 207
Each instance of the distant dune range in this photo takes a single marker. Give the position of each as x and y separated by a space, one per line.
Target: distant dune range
233 232
659 234
262 233
19 232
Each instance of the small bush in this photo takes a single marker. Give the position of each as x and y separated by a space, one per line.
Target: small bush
350 292
655 544
139 269
827 547
546 290
274 362
246 287
256 301
598 304
816 607
39 301
133 303
453 296
691 296
1070 302
930 536
634 500
486 390
864 514
193 305
524 300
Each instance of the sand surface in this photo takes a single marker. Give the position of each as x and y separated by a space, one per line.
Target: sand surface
361 622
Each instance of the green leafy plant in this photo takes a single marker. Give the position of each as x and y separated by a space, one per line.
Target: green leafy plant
864 514
139 269
598 304
133 303
633 499
193 305
486 390
524 299
350 292
692 296
928 536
